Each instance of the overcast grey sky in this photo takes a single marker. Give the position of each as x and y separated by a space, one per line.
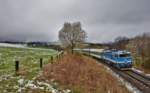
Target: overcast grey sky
103 20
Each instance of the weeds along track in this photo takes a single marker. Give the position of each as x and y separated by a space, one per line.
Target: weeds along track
139 80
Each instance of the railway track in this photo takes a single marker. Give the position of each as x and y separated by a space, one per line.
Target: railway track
139 80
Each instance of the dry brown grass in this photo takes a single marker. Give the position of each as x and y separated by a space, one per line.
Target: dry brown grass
22 71
35 91
82 75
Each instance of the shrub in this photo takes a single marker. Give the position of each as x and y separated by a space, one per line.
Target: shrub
146 63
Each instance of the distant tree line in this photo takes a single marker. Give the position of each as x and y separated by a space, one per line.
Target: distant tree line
94 45
119 43
12 42
44 45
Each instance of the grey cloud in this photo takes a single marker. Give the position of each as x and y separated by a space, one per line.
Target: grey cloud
103 20
121 12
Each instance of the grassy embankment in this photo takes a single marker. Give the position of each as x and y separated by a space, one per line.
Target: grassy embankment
81 74
29 67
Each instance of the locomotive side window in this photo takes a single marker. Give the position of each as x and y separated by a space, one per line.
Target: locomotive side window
124 55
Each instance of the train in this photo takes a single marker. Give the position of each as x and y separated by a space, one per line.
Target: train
120 59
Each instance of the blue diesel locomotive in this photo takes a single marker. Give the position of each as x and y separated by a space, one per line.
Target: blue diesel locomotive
118 58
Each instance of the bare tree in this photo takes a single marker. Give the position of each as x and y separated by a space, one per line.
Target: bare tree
72 35
140 47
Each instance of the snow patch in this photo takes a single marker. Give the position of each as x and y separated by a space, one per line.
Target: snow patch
139 71
148 75
35 84
22 46
21 82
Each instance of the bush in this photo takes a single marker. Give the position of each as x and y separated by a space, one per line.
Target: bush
146 64
82 75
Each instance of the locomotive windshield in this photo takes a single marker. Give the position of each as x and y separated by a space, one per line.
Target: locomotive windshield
124 55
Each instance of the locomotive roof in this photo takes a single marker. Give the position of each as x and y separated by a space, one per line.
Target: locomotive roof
122 52
117 51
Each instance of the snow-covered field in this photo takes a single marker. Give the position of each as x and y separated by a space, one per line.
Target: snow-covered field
29 67
12 45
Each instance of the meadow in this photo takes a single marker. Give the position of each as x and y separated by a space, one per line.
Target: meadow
29 67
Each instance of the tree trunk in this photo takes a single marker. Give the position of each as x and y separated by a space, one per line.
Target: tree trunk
72 49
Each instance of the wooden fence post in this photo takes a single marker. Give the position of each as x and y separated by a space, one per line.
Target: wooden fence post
57 57
17 66
61 54
89 51
52 59
41 63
